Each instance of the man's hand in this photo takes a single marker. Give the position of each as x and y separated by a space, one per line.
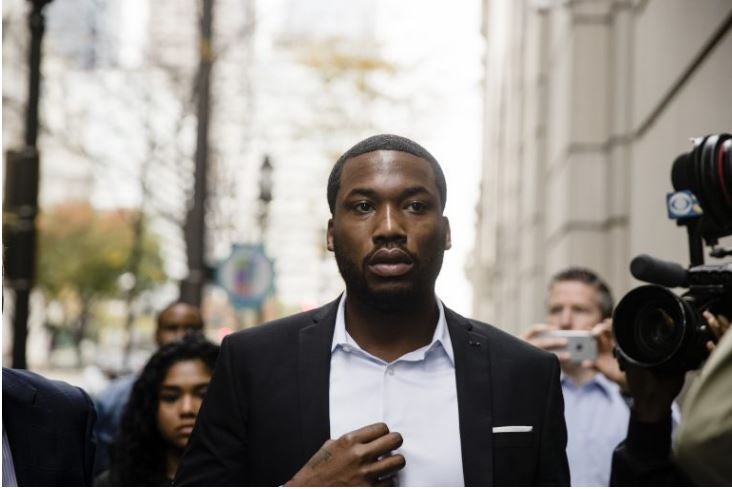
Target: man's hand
653 392
359 458
532 335
718 325
606 363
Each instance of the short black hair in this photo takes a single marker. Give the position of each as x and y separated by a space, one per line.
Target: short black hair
388 142
588 277
159 317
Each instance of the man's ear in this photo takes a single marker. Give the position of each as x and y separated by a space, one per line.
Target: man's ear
329 235
448 237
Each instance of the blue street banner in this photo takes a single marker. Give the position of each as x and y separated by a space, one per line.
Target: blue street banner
247 275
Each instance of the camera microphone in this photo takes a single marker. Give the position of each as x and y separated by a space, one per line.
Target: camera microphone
653 270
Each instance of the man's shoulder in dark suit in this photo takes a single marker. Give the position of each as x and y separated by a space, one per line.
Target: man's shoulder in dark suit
266 410
277 341
49 426
280 331
20 384
511 345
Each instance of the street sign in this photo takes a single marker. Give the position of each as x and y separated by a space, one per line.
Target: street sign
247 275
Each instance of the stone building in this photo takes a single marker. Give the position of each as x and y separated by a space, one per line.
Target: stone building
587 103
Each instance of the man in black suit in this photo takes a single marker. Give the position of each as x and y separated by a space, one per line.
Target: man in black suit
385 385
47 432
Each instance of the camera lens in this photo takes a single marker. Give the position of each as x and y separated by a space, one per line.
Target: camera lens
650 325
655 332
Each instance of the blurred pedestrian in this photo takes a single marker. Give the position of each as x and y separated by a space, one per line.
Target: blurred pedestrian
47 432
595 408
173 323
160 415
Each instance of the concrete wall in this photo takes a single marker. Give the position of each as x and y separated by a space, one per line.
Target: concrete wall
581 127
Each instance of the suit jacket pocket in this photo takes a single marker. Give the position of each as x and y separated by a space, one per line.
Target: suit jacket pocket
520 439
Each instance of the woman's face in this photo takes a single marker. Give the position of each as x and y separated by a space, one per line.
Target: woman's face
180 399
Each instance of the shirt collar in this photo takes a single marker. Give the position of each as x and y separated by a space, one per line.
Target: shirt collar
605 385
441 336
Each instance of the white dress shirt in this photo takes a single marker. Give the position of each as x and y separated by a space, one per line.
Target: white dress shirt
414 395
9 479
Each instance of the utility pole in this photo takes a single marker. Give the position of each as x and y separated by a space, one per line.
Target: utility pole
133 269
20 206
191 288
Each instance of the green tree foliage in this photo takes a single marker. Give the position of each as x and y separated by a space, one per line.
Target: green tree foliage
82 253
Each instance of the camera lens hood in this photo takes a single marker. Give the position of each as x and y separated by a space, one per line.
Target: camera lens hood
706 171
649 325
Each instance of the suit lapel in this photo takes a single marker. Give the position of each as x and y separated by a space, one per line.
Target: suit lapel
474 392
314 378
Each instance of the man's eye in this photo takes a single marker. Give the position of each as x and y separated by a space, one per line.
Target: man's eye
417 206
363 207
169 398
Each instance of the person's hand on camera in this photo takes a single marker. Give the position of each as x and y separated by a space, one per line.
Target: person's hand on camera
358 458
533 336
606 363
718 326
653 392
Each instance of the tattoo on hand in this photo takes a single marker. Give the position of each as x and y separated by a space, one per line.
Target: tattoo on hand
321 456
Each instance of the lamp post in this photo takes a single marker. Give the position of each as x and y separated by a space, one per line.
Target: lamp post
20 205
265 197
191 288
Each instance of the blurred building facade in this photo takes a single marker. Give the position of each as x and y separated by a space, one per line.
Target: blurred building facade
587 103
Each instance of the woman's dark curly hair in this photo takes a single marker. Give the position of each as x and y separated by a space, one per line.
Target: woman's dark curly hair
138 456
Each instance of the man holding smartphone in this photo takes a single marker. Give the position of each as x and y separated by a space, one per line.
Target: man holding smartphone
596 411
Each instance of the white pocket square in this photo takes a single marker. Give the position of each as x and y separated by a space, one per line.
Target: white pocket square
512 429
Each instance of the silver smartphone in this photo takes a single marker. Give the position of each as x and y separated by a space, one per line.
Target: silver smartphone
581 345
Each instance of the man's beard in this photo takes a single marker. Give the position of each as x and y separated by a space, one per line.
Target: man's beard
421 283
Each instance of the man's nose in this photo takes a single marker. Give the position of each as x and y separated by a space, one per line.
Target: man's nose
565 319
389 226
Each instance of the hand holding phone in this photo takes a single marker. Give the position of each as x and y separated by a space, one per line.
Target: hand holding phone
579 346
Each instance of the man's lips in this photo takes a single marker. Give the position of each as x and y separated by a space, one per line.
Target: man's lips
390 262
390 269
185 430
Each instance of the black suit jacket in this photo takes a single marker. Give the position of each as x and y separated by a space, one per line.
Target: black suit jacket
49 427
267 407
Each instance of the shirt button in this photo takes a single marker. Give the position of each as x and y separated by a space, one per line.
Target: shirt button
390 371
346 348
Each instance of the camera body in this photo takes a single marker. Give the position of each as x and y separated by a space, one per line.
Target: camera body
653 327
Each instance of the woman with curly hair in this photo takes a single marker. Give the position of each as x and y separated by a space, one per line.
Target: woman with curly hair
160 415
